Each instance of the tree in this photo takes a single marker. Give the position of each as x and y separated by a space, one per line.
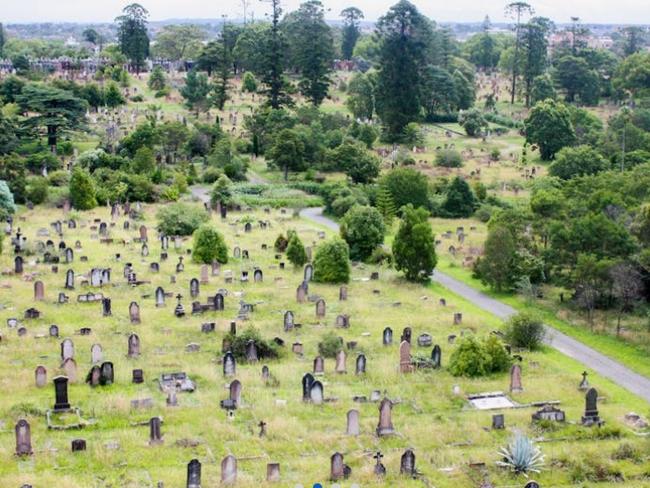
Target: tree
473 122
312 49
633 40
82 190
407 186
113 96
474 358
287 153
627 288
524 330
132 35
517 10
173 136
460 201
578 79
549 126
542 89
633 75
296 253
3 40
571 162
249 83
351 32
221 192
498 268
157 80
405 37
590 275
273 48
143 162
332 262
7 205
536 47
414 248
356 161
196 91
180 219
385 204
55 110
361 97
223 67
179 42
209 245
363 229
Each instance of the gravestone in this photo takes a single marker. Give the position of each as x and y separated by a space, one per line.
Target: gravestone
39 290
288 320
307 381
194 288
23 438
385 425
70 369
106 307
361 364
265 373
67 348
379 469
96 354
215 268
338 470
107 373
134 313
218 302
61 394
258 276
340 367
69 255
343 321
353 423
40 376
532 484
584 384
273 472
251 351
515 379
18 264
316 393
498 421
53 331
155 436
458 318
405 357
549 412
229 364
301 292
78 445
94 376
407 463
229 470
308 273
343 293
406 335
160 297
424 340
69 280
133 346
591 408
193 474
205 279
319 365
436 356
137 376
387 336
320 308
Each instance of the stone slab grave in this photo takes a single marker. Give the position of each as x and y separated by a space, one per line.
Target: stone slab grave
177 382
491 401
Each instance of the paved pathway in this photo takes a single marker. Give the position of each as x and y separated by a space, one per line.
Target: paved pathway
603 365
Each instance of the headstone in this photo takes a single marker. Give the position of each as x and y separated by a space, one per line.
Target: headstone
406 335
301 293
405 357
137 376
23 438
584 384
229 364
273 472
40 376
498 421
515 379
319 365
218 302
106 307
591 408
288 320
343 293
387 336
308 273
320 308
307 381
194 474
155 436
107 373
385 425
361 364
407 463
258 276
134 346
251 351
379 469
549 412
316 393
458 318
69 280
337 467
67 348
61 393
424 340
134 313
340 367
532 484
194 288
436 356
53 330
39 290
353 423
78 445
229 470
70 369
18 264
160 297
96 354
205 279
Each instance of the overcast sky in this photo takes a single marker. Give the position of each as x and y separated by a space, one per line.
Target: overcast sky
590 11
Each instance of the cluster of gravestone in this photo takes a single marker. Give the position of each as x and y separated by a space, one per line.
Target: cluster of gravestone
96 285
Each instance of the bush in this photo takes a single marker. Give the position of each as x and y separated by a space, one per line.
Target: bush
209 246
407 186
281 243
37 190
249 83
571 162
82 190
265 349
381 256
58 178
211 175
332 262
414 247
363 229
474 358
296 253
460 201
330 345
449 158
525 330
472 121
180 219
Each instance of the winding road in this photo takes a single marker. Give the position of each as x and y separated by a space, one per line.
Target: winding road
603 365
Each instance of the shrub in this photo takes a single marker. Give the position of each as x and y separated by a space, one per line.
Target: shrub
525 330
82 190
474 357
296 253
407 186
330 345
381 256
37 190
449 158
7 205
180 219
363 229
58 178
332 262
265 349
571 162
209 245
472 121
281 243
249 83
211 175
414 246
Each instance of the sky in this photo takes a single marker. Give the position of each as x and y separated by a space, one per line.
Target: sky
589 11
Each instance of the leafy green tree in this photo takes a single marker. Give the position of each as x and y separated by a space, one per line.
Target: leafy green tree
549 126
37 190
287 153
407 186
633 75
332 262
157 80
473 122
464 91
405 37
363 229
12 171
180 219
224 73
221 192
7 205
93 37
460 201
249 83
296 253
449 158
385 204
196 91
439 91
367 134
414 248
535 45
144 135
9 134
132 35
542 89
498 267
10 88
524 330
179 42
3 40
578 79
173 137
251 47
113 96
209 245
571 162
351 31
356 161
143 162
312 47
361 97
56 111
82 190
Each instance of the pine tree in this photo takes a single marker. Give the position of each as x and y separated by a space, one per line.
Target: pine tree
195 92
132 34
351 32
386 205
296 253
157 80
82 190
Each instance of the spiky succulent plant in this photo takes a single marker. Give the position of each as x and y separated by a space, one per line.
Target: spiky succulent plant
521 455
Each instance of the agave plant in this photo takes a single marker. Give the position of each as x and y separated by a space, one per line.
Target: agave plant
521 455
